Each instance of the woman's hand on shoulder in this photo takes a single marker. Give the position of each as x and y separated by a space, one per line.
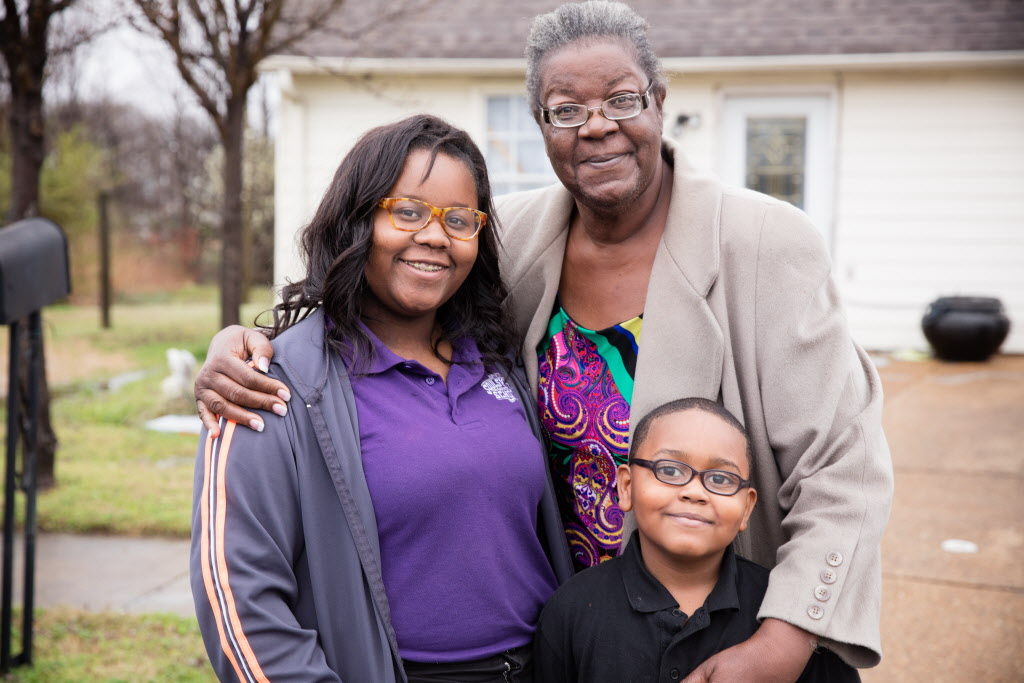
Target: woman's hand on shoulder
777 652
227 384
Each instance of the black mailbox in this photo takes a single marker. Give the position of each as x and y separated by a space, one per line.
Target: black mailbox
33 273
33 267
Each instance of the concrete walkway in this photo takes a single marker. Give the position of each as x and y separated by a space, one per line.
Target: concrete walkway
109 574
957 437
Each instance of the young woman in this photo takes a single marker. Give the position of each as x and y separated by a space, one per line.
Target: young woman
399 523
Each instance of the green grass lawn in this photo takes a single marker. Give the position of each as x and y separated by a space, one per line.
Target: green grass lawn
113 475
72 646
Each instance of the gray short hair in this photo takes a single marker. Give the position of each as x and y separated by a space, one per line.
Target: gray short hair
582 21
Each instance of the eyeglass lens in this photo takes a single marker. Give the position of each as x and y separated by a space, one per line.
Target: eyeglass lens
679 474
624 106
409 214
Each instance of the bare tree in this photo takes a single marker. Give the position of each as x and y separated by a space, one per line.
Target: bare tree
217 45
24 43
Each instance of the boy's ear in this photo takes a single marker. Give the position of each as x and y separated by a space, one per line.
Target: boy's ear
751 499
624 481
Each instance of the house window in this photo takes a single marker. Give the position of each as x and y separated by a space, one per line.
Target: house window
515 149
775 156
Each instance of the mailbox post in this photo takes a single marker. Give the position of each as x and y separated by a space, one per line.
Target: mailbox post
33 274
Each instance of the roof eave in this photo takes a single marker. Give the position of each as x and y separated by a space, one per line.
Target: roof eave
516 67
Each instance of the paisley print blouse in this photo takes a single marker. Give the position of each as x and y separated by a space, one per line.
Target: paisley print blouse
585 388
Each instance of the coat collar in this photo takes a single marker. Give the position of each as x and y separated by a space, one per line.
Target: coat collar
692 233
307 368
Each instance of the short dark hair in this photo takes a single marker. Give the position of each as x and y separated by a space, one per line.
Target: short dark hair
643 427
335 245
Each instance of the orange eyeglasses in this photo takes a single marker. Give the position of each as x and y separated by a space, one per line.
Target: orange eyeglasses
412 215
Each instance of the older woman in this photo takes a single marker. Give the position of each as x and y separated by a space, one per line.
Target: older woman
733 293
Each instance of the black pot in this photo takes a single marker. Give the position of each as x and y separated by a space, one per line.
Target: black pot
965 328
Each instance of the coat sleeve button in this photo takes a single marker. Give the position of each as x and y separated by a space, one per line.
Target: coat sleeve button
815 612
834 558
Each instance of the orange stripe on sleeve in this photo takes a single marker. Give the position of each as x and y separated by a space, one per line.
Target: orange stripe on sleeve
222 565
204 550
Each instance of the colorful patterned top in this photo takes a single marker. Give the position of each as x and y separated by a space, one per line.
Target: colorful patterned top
583 397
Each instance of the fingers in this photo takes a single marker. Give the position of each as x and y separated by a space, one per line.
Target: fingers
212 402
258 347
702 674
240 383
229 387
209 420
229 341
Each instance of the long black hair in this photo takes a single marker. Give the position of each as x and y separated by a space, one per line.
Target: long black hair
335 245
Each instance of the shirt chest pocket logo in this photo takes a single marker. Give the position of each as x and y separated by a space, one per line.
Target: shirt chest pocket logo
494 384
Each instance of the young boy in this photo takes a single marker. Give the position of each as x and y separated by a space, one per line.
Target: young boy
678 594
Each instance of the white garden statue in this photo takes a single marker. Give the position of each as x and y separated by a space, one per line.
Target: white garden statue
178 384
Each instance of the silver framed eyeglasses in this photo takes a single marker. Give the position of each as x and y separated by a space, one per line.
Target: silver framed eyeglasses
412 215
625 105
675 473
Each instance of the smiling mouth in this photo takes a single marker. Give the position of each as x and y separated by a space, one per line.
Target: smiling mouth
690 519
603 159
424 267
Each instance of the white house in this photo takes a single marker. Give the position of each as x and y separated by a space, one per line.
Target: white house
897 126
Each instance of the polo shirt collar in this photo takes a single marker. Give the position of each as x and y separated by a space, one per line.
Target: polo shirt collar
464 352
725 595
647 594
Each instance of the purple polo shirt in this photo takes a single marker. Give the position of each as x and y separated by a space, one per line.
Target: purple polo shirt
456 476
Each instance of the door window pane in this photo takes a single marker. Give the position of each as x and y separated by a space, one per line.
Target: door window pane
776 148
515 150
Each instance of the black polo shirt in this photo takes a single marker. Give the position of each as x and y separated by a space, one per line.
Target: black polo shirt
615 623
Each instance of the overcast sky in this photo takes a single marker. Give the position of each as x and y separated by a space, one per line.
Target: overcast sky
124 65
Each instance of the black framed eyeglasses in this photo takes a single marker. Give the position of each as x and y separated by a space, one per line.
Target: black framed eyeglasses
624 105
675 473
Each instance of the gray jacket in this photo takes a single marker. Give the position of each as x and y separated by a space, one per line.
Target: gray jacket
285 561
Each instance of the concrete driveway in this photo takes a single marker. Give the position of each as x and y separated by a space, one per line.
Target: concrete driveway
957 438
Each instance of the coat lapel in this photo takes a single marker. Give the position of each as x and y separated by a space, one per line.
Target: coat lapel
681 344
536 269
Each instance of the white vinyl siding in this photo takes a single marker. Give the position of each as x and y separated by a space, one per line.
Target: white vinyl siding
931 198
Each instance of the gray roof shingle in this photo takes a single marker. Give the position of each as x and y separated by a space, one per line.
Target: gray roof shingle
683 28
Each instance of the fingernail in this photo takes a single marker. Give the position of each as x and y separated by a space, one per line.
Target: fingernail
263 364
280 408
284 394
256 424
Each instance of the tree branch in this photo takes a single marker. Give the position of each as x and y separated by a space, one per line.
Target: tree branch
212 34
168 26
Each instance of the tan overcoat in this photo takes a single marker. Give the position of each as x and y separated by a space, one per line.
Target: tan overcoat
741 308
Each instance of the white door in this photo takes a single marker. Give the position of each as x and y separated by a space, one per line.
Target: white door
782 146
